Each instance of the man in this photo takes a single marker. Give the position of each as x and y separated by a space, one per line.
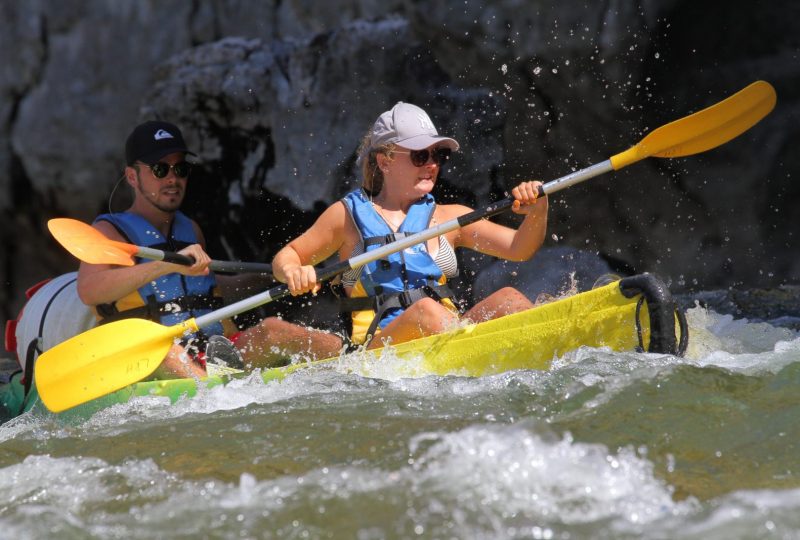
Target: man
158 173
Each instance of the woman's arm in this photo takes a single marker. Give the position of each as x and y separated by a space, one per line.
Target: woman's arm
294 264
499 241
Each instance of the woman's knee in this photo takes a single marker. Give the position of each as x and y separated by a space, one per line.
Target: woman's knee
502 302
512 297
432 314
511 293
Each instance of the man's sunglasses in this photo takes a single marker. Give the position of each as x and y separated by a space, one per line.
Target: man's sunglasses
421 157
161 170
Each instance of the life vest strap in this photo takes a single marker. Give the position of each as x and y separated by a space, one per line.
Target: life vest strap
153 310
402 299
385 239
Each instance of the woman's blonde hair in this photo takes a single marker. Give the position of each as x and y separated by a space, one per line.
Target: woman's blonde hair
371 173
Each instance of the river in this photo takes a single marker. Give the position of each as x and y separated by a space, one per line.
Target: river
602 445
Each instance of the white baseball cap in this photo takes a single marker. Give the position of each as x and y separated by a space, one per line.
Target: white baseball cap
408 126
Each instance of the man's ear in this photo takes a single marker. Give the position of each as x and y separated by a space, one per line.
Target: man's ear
131 176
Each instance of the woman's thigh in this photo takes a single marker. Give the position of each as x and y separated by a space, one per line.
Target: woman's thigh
423 318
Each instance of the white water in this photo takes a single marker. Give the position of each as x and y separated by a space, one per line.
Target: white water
331 454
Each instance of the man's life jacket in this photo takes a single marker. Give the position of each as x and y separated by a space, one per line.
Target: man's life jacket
172 298
387 287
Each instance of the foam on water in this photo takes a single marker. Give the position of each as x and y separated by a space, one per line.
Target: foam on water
744 514
479 457
710 332
59 497
716 340
384 365
521 477
738 344
524 469
236 394
522 482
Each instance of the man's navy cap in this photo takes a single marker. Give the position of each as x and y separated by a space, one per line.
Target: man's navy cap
151 141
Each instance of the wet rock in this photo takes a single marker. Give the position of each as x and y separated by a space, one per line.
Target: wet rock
275 96
779 306
555 272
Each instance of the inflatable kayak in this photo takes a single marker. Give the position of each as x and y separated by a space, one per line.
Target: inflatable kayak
636 313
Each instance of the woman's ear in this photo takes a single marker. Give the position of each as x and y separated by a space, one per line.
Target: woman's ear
382 160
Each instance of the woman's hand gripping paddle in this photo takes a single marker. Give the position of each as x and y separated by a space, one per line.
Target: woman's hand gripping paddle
115 355
90 245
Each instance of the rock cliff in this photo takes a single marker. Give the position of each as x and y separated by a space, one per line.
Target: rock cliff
275 97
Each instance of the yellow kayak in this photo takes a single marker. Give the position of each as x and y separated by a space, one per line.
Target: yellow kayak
633 314
609 316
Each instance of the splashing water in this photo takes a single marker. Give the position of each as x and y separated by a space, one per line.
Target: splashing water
603 444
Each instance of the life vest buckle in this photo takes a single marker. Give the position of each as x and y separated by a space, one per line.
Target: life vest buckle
406 298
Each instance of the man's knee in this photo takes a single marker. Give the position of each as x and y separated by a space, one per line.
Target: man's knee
275 325
270 322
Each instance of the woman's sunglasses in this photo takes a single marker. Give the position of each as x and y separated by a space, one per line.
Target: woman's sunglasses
161 170
421 157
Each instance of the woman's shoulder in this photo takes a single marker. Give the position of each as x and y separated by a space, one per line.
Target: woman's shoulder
337 209
333 217
445 212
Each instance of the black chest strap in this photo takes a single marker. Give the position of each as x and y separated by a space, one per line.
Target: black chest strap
154 310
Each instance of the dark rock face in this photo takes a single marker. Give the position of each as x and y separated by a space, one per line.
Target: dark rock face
275 100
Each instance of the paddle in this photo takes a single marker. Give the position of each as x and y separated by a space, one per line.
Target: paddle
90 245
115 355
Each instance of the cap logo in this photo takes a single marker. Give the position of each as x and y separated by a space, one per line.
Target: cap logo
425 122
162 134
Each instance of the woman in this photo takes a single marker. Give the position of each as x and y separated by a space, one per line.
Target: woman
404 296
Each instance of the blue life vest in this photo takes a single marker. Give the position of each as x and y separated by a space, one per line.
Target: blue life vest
386 287
172 298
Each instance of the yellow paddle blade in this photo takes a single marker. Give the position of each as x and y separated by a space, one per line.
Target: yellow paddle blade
704 129
103 360
89 245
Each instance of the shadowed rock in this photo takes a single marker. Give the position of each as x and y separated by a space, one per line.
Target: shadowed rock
275 97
